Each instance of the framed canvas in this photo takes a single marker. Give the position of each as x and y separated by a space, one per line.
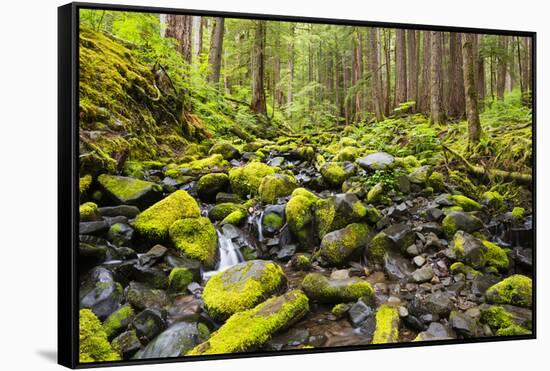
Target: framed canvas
242 185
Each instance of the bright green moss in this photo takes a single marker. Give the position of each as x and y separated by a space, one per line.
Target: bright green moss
347 142
118 321
436 181
225 149
518 213
272 221
373 215
235 218
512 331
155 221
246 180
375 193
387 325
500 320
339 310
241 287
448 209
125 189
302 262
221 211
93 343
179 279
449 226
325 214
466 270
299 215
493 199
352 237
496 256
275 186
305 193
249 330
334 174
197 238
516 290
320 288
378 247
89 212
347 154
359 209
466 203
307 153
84 184
210 184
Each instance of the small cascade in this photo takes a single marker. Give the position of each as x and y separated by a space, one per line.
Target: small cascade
229 254
260 228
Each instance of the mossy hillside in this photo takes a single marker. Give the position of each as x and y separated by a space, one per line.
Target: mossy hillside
242 287
197 238
516 290
118 320
93 343
320 288
154 222
275 186
248 330
245 181
387 325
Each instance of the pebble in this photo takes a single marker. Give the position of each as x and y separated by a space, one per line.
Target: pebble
419 260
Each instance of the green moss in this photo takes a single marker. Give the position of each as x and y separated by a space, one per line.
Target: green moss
466 203
387 325
124 189
197 238
373 215
375 193
299 215
246 180
250 329
466 270
179 279
449 226
500 320
436 181
347 142
493 199
518 213
235 218
241 287
89 212
378 247
301 262
448 209
275 186
93 343
512 331
352 237
225 149
334 174
305 193
155 221
516 290
273 221
496 256
84 184
324 214
221 211
210 184
118 320
347 154
211 162
340 310
320 288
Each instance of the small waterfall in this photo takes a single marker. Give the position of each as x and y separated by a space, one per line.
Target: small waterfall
229 253
259 226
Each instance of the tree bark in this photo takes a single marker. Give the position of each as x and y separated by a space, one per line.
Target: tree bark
400 67
424 96
456 79
472 113
479 69
436 113
502 60
387 60
197 37
412 67
180 28
215 54
258 104
289 95
376 94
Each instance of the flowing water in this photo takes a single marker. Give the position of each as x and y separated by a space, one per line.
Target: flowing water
230 255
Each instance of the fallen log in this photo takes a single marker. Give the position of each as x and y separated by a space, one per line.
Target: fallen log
526 179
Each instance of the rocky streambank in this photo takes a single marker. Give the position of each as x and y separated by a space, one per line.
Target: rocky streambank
294 244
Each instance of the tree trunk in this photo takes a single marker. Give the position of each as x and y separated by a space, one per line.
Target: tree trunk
400 67
258 104
179 27
290 70
357 75
502 66
387 60
479 64
376 95
436 113
472 113
412 67
456 80
197 37
215 54
424 96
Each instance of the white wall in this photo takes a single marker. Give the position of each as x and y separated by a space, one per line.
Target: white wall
28 181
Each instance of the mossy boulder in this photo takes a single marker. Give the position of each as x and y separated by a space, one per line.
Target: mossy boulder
179 278
242 287
320 288
235 218
397 237
516 290
197 238
436 181
339 246
245 181
211 184
248 330
299 213
175 341
466 270
93 343
337 212
387 325
347 154
466 203
493 200
89 212
275 186
375 193
84 184
468 249
460 220
518 213
506 320
496 256
118 321
129 191
221 211
420 175
154 222
225 149
336 173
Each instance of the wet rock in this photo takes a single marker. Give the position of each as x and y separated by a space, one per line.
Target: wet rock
339 246
148 324
93 228
141 296
154 255
129 191
460 220
127 211
127 344
120 234
423 274
288 340
154 277
335 173
100 293
320 288
359 312
464 324
376 161
210 185
273 219
468 249
89 253
436 331
397 267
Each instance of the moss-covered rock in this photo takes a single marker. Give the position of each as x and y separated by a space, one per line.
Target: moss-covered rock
436 181
118 321
179 278
221 211
235 218
493 199
468 249
225 149
466 203
197 238
338 246
301 262
129 191
375 193
335 173
347 142
211 184
299 213
460 220
516 290
504 322
378 247
496 256
89 212
93 343
518 213
397 237
242 287
420 175
155 222
347 154
325 290
84 184
245 181
387 325
249 330
275 186
466 270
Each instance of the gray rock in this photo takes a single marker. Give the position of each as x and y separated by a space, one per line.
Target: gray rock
175 341
420 175
423 274
460 221
359 312
288 339
148 324
141 296
401 235
439 303
100 293
419 260
464 324
93 228
376 161
127 343
436 331
397 267
127 211
120 234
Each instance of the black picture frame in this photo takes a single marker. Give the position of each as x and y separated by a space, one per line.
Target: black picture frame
68 69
